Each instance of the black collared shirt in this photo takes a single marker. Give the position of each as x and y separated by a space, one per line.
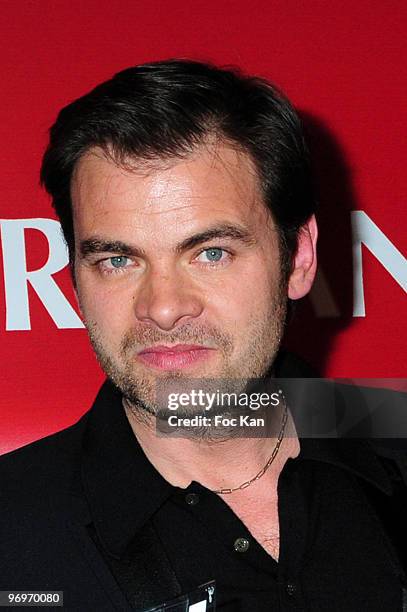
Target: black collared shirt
334 552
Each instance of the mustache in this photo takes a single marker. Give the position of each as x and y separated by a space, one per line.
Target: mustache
209 336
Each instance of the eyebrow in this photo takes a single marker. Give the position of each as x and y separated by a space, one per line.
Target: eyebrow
223 230
96 244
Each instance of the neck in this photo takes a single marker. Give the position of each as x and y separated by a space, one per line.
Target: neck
216 464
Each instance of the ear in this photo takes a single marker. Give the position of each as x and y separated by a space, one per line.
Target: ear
305 261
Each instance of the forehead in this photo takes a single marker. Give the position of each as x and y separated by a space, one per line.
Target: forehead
215 182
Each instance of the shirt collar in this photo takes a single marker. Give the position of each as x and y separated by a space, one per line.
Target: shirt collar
356 456
319 408
123 489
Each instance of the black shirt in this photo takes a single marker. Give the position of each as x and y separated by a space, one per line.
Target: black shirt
334 551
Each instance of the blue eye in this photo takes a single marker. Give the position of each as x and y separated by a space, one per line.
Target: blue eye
119 261
213 255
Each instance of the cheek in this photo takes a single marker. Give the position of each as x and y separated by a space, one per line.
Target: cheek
240 299
104 305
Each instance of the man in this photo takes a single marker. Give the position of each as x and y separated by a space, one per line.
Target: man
184 195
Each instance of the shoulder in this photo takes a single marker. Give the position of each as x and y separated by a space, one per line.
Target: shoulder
42 466
347 409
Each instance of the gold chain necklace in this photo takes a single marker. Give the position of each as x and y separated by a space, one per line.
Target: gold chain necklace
266 467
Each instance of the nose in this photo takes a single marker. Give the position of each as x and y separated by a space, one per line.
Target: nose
165 300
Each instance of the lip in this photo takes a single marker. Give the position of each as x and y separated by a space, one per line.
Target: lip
174 357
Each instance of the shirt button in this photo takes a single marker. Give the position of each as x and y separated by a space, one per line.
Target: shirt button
241 545
192 499
290 589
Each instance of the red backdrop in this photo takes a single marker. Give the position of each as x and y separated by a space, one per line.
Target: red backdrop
343 64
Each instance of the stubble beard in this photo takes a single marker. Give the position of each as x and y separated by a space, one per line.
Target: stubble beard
140 390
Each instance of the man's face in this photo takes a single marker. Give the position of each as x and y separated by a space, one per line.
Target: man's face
177 269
